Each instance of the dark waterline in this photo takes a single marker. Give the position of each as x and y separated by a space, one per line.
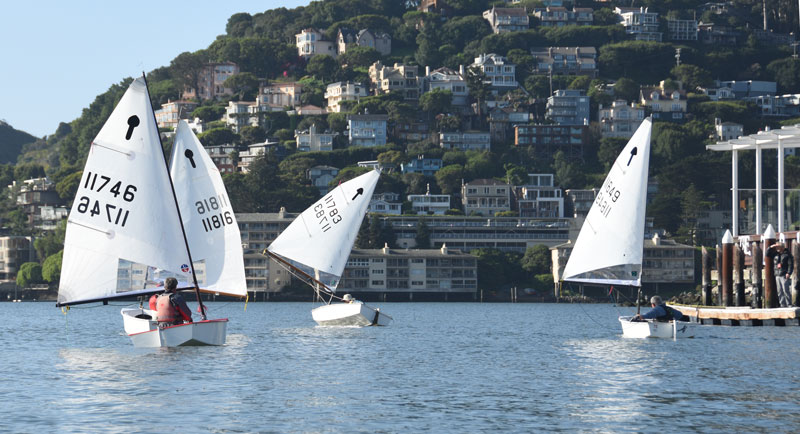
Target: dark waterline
440 367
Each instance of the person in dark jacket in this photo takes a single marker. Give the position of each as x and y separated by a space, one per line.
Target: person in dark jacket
171 308
783 265
659 312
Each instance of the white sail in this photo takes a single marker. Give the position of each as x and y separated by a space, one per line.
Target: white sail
124 213
208 218
321 237
610 245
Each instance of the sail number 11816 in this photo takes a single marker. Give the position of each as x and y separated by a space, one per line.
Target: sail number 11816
212 212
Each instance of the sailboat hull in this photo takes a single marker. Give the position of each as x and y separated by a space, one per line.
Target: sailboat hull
349 314
142 328
655 329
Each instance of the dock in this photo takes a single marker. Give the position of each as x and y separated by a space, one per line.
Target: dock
741 315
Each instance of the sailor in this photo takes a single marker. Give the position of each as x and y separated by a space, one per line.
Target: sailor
659 312
347 298
171 308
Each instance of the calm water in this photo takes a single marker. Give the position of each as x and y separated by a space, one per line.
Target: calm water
440 367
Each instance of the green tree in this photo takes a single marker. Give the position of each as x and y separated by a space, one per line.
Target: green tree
209 113
323 67
67 187
51 268
497 269
626 89
244 84
691 76
357 56
536 259
187 68
436 101
423 237
449 178
250 134
786 72
218 137
51 242
29 273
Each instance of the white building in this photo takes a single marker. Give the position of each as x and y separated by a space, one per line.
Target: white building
620 119
385 203
447 79
312 140
436 204
340 91
311 42
640 23
727 130
498 70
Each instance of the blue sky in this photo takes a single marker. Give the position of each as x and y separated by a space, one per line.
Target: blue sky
58 55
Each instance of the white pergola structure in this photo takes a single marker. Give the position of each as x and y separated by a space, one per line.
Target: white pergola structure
786 137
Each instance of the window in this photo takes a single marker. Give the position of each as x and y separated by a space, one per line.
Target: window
377 271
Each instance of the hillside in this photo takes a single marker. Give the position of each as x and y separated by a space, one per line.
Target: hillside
11 142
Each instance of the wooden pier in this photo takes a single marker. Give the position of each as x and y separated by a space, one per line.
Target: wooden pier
741 315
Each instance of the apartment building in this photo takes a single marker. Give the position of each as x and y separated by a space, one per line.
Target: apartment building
211 81
485 197
568 107
367 130
398 78
620 119
505 20
340 91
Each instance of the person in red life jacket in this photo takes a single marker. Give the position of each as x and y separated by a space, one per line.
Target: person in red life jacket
171 308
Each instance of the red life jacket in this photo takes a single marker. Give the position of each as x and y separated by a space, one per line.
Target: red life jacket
165 311
154 302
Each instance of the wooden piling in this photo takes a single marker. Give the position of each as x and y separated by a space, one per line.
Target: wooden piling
738 275
726 276
755 275
705 263
770 288
796 274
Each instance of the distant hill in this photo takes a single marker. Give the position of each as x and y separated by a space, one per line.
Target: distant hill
11 142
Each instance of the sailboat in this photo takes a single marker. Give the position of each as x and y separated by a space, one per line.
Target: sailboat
125 231
610 245
316 245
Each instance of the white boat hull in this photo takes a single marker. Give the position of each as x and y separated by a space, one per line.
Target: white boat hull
142 328
655 329
349 314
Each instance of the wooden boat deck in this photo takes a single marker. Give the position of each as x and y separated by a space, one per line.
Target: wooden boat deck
741 315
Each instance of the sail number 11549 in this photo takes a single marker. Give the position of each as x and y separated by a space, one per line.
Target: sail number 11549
606 198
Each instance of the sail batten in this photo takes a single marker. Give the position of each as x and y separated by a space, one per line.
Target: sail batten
610 244
319 240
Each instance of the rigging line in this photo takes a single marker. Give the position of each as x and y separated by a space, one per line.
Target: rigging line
89 227
111 149
589 316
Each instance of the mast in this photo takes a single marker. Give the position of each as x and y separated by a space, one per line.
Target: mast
177 208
